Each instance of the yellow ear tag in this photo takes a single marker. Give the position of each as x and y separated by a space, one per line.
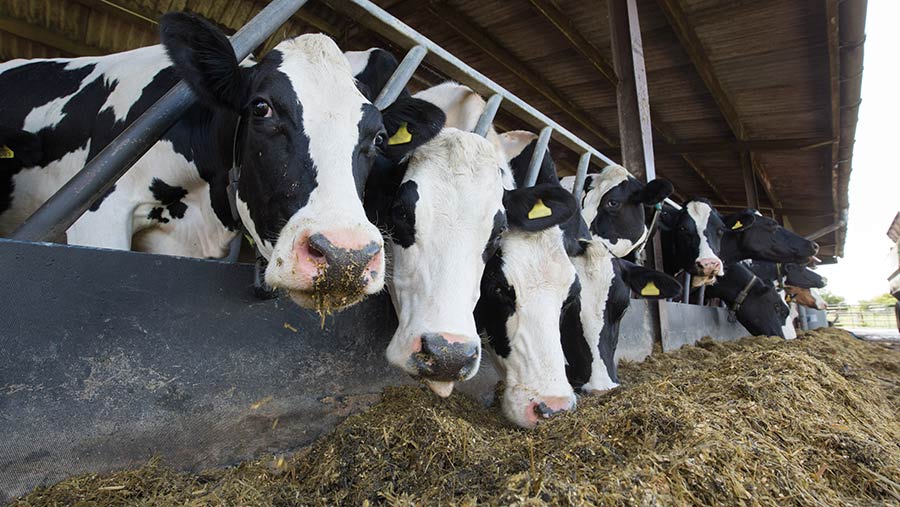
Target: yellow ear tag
6 152
540 210
402 136
737 225
650 290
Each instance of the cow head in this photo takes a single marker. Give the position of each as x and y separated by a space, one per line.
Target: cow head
763 311
802 276
764 239
444 221
695 238
613 206
526 287
306 140
807 297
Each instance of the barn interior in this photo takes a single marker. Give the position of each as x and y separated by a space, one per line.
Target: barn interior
751 103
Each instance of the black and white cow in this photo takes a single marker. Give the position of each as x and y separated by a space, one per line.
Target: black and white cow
794 283
304 135
442 208
692 239
613 205
755 303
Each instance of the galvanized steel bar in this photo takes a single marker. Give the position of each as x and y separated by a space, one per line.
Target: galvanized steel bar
56 215
804 324
686 295
487 116
400 77
538 156
581 175
701 295
825 230
415 37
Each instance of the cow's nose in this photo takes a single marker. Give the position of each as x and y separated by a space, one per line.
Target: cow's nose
709 267
339 259
446 357
547 407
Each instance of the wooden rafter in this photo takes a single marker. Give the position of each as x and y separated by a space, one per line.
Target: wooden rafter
834 59
726 145
558 19
690 42
49 38
477 37
550 12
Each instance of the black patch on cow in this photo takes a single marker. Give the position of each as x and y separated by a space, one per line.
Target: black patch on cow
763 312
521 201
170 197
97 202
157 214
576 349
379 68
493 243
496 304
27 152
762 238
403 214
423 121
620 214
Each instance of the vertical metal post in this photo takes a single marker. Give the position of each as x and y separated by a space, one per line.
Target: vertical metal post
686 295
67 205
581 175
538 156
487 116
701 295
400 77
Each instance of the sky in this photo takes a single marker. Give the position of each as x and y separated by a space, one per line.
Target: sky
875 179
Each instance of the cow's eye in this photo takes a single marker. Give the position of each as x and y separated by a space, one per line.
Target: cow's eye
613 204
379 139
261 109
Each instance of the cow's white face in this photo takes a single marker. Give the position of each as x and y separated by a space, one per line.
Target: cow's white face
700 231
306 142
447 215
613 207
524 290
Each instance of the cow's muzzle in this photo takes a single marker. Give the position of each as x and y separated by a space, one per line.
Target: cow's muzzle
340 274
445 357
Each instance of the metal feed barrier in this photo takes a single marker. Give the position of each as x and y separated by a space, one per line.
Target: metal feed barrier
108 358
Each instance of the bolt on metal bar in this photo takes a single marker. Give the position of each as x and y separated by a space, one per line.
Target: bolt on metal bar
400 77
686 295
487 116
540 148
56 215
581 175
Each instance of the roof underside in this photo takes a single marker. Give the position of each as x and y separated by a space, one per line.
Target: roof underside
769 83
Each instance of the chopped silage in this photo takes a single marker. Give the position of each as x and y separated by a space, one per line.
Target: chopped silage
760 421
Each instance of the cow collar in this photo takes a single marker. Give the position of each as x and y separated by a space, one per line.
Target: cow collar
657 209
742 296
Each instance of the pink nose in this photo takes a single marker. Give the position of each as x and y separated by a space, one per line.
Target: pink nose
445 357
709 266
341 256
547 407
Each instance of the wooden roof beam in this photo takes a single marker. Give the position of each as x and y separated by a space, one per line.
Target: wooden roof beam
126 11
730 145
49 38
478 38
834 86
550 12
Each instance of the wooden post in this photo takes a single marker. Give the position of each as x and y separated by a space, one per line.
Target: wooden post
633 99
749 180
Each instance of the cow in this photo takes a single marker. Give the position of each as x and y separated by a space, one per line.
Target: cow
442 207
613 204
751 301
699 240
692 239
794 283
295 124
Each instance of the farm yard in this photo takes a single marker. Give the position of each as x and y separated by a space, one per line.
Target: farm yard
355 252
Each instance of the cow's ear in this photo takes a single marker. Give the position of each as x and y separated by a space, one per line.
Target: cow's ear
410 123
739 221
576 235
20 147
656 191
648 283
205 60
539 207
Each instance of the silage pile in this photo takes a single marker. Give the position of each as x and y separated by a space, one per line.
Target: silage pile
762 421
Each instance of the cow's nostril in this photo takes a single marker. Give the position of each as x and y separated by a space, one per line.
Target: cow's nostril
544 411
